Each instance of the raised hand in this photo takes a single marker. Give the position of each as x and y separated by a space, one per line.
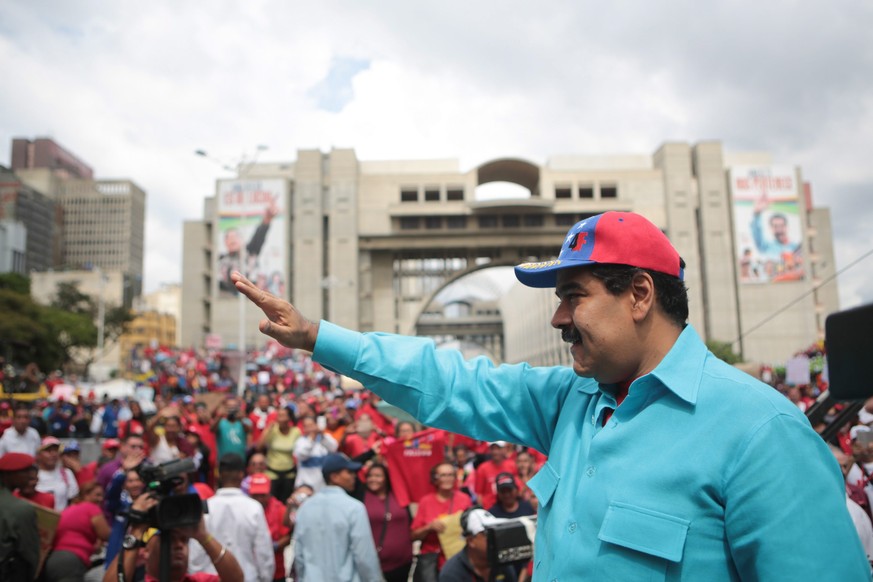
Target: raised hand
283 323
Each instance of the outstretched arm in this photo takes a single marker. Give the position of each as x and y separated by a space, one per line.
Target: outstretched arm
283 323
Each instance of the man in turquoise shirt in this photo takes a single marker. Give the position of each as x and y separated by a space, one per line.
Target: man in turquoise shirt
664 462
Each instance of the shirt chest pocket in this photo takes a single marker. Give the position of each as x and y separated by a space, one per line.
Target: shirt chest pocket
639 543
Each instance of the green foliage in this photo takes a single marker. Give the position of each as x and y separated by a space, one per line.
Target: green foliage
30 332
723 351
115 322
15 282
69 298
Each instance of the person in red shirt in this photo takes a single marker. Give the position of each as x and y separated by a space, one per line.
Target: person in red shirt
262 416
486 473
81 525
382 423
28 491
360 436
446 500
274 511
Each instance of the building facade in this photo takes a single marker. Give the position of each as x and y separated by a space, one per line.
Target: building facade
369 244
100 223
40 216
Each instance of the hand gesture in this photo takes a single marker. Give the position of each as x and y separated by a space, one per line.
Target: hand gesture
283 323
761 204
437 526
133 461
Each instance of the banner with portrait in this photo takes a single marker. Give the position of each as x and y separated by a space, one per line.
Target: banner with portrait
768 224
251 234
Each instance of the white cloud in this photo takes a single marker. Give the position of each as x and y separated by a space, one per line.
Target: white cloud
135 89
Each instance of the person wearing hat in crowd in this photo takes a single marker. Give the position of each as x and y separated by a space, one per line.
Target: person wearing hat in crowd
332 537
19 536
54 478
471 564
133 444
71 459
274 510
509 504
21 438
487 471
637 481
28 490
238 522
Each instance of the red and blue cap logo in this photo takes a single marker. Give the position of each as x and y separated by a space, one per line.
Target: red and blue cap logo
618 238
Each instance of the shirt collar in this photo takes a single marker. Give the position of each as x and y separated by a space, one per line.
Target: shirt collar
680 370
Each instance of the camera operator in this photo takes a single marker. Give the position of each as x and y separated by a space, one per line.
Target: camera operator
471 563
226 565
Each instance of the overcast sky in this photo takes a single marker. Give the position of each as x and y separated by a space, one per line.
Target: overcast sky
134 88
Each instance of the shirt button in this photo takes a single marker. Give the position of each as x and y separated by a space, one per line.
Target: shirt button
590 471
572 527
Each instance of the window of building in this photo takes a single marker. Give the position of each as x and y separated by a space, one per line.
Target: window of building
533 220
565 219
409 195
408 222
608 192
432 195
487 221
456 222
454 193
563 192
586 192
511 220
433 222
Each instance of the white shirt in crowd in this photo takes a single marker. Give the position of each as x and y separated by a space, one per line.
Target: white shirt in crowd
13 442
237 522
60 482
863 525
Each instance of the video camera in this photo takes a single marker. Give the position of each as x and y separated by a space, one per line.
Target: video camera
172 510
511 541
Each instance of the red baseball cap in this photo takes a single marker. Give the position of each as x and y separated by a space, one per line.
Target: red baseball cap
611 238
111 444
259 484
505 481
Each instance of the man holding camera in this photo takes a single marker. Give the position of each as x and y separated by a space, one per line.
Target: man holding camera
222 560
663 461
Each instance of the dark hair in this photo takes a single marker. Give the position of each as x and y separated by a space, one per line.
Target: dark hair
433 470
401 423
670 292
384 472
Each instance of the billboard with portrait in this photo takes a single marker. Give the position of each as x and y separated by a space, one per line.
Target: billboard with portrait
250 234
768 224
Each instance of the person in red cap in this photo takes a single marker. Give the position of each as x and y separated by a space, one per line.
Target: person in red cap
661 457
509 503
274 510
19 536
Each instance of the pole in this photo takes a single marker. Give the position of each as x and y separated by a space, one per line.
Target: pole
241 381
101 315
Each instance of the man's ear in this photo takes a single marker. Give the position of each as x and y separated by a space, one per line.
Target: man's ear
642 290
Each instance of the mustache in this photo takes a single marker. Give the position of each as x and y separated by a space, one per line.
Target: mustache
570 335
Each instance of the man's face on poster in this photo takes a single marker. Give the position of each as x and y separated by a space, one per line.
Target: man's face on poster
779 226
232 241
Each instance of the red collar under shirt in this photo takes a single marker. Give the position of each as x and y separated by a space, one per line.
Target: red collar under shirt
620 394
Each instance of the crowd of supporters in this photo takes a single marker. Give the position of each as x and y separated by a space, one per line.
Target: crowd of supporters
258 458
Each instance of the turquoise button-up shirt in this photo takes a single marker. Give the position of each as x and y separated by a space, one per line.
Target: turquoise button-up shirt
703 472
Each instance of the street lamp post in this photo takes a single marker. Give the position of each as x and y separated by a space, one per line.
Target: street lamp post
241 168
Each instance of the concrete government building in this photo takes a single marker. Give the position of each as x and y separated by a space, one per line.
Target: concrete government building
369 244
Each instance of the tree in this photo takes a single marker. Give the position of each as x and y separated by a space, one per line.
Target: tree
69 298
15 282
723 351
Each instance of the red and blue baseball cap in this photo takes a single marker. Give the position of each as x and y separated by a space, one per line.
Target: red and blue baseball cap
611 238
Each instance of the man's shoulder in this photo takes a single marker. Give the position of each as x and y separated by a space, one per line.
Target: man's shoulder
18 508
456 568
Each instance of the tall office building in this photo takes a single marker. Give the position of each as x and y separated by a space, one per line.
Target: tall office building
370 244
103 220
41 219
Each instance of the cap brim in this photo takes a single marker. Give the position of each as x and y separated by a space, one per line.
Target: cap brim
354 466
544 274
